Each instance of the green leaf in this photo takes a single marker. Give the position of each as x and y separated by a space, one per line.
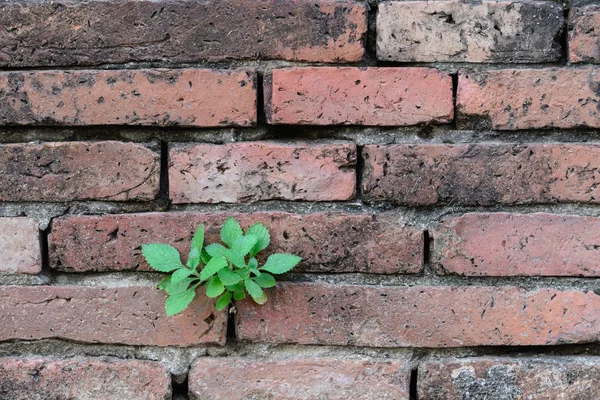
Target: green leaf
214 287
162 257
164 283
204 256
239 295
232 256
230 231
198 240
180 275
213 266
223 301
193 258
215 249
261 232
255 291
178 302
234 288
265 280
196 248
256 272
178 287
280 263
244 244
244 273
253 263
228 277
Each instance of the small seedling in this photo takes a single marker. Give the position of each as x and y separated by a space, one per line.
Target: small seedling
228 271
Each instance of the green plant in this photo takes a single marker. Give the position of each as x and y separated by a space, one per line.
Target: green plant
228 271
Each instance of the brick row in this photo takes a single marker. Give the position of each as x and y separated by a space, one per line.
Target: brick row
568 378
188 97
71 171
356 96
99 32
20 250
83 378
512 99
503 244
327 242
420 316
455 31
481 174
123 315
583 34
234 378
245 172
503 99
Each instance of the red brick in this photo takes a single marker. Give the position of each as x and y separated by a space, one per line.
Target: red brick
564 378
300 379
503 244
327 242
124 315
98 32
254 171
358 96
78 171
584 34
420 316
83 378
20 246
455 31
512 99
481 174
187 97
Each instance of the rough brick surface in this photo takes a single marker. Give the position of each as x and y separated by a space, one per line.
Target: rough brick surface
584 34
420 316
97 32
299 379
253 171
83 378
551 378
506 244
125 315
20 246
513 99
358 96
189 97
481 174
454 31
327 242
78 171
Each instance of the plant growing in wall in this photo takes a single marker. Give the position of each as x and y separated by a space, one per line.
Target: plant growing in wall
228 270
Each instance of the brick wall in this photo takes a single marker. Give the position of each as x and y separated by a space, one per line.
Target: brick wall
435 164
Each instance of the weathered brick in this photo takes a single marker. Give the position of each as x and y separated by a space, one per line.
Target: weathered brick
564 378
299 379
481 174
123 315
327 242
78 171
358 96
186 97
512 99
584 34
98 32
253 171
20 246
503 244
420 316
83 378
455 31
